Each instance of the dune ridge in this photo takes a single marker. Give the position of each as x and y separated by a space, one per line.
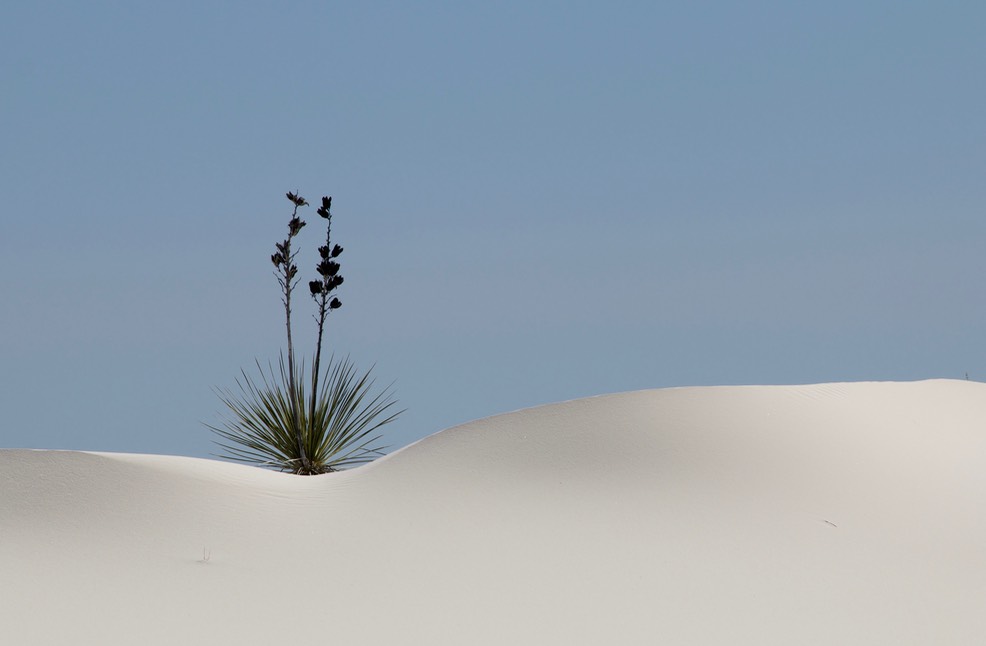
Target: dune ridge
830 513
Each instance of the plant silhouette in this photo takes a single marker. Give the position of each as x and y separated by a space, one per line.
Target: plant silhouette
275 422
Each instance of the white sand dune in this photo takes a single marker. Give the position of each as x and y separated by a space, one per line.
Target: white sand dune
824 514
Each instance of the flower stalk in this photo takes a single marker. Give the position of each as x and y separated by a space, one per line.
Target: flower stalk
323 288
286 272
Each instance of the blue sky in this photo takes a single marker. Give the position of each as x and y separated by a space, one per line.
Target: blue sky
539 201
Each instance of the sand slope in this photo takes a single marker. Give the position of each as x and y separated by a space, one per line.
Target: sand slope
824 514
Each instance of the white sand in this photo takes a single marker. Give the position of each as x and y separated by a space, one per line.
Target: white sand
827 514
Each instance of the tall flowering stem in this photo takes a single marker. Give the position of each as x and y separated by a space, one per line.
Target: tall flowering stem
286 272
322 289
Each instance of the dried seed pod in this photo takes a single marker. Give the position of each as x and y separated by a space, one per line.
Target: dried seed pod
294 226
328 268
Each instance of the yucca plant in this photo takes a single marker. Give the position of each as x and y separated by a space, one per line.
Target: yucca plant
341 431
274 422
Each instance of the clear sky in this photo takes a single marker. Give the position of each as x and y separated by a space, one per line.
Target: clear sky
539 201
